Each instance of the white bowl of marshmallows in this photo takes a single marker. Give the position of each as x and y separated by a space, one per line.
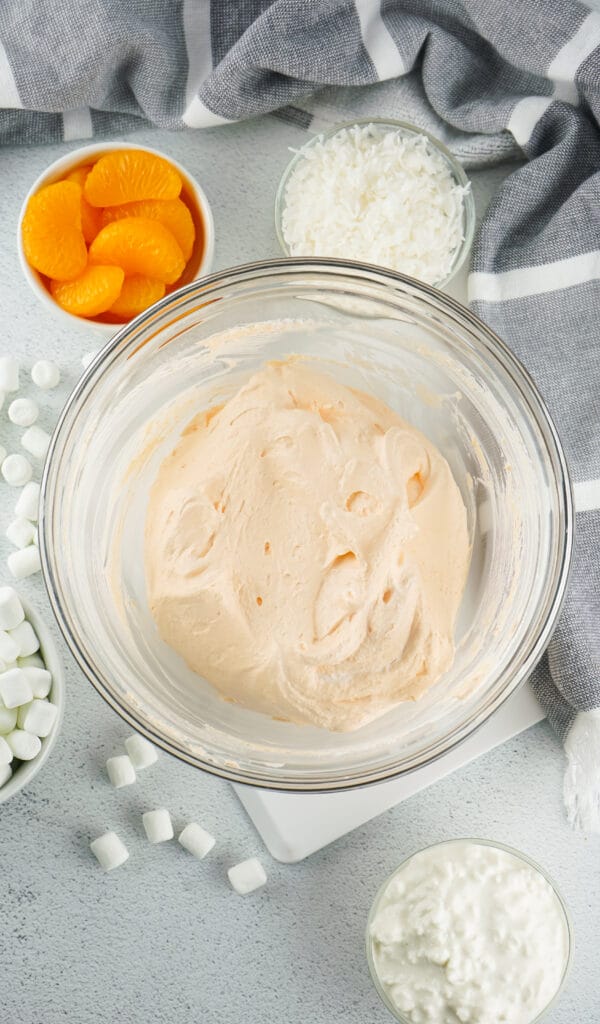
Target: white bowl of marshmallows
32 693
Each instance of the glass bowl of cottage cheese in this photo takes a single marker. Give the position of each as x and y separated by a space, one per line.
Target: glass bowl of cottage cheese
469 932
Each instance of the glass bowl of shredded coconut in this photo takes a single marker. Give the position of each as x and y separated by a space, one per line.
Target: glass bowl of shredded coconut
379 191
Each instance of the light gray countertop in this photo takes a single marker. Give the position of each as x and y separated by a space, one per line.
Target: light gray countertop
164 938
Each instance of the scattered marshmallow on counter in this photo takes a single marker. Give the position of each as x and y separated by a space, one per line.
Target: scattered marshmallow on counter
6 754
9 648
88 358
247 876
120 771
157 825
141 752
38 717
196 840
28 502
36 441
11 609
20 532
24 635
44 374
39 678
9 374
16 470
8 719
24 745
24 562
15 688
23 412
109 851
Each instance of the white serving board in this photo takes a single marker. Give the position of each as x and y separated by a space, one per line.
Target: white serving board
293 826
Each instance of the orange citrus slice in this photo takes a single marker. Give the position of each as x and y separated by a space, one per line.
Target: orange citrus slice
53 241
91 217
92 293
139 246
136 295
173 213
127 175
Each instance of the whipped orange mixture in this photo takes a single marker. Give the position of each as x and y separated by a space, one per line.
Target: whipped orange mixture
306 551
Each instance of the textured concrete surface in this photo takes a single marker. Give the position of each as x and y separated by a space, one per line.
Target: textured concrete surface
164 938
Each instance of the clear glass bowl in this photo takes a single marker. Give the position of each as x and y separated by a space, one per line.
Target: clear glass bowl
404 128
384 996
425 355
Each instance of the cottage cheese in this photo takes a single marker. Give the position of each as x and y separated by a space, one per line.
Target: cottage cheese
469 933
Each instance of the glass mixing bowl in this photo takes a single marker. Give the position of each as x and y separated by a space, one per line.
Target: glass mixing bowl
421 352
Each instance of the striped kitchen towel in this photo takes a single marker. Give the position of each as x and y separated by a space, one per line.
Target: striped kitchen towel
493 79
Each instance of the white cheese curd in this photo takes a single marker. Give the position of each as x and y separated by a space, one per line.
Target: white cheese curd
375 195
466 933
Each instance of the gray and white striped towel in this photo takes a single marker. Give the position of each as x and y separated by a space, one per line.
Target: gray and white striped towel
494 79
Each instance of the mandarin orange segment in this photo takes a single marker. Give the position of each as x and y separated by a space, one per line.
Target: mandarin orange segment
127 175
136 295
53 241
91 293
139 246
173 213
91 217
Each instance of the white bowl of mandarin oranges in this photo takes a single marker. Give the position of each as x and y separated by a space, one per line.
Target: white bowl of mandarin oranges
110 229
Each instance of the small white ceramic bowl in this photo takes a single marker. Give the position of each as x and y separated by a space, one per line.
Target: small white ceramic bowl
27 770
192 191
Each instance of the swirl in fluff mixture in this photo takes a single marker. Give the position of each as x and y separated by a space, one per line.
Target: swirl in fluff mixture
306 551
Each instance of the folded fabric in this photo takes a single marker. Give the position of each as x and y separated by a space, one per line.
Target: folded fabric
494 79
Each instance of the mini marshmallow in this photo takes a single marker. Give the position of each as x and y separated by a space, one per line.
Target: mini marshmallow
88 358
8 719
109 851
6 754
20 532
247 876
23 412
23 744
45 374
24 562
5 774
8 646
141 752
38 717
11 609
157 825
9 374
15 688
36 441
28 504
196 840
25 637
38 678
120 771
32 660
16 470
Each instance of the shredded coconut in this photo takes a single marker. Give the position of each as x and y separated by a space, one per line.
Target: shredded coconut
371 194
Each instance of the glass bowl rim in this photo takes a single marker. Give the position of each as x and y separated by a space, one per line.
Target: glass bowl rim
468 840
372 275
456 169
